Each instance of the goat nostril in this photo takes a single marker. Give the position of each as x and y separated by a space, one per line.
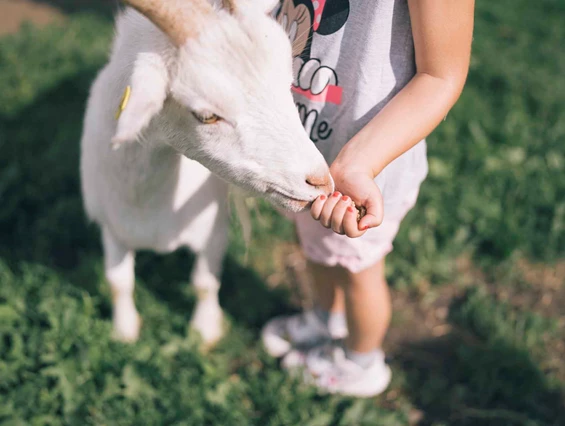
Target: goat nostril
314 182
318 181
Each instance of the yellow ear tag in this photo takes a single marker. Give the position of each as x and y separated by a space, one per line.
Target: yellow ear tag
124 101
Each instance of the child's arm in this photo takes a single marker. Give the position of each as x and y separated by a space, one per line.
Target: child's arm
442 31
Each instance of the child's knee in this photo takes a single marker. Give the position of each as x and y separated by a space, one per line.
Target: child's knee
371 276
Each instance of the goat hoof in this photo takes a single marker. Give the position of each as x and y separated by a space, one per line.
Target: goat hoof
127 329
211 328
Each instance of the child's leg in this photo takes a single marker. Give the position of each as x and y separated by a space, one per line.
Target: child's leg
368 308
325 322
366 298
359 369
328 292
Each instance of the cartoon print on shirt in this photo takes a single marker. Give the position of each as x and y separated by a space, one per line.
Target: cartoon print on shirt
313 80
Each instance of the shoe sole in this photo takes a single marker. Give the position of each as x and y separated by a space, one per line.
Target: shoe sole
274 345
379 388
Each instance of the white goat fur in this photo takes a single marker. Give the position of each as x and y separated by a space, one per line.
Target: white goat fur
159 193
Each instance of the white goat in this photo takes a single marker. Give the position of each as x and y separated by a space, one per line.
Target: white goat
210 91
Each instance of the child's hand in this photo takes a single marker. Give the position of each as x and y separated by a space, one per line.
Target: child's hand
337 211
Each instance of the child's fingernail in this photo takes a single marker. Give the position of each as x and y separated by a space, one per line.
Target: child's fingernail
365 228
336 194
322 197
350 209
344 198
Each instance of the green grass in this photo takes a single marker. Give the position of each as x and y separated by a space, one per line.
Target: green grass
488 371
495 193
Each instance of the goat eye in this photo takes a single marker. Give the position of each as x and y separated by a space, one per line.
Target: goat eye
206 118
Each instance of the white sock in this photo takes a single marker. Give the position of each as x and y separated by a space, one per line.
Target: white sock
331 320
362 359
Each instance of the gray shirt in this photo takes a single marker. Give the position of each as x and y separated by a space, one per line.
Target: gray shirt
350 58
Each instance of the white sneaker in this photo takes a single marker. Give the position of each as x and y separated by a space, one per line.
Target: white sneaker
327 368
282 334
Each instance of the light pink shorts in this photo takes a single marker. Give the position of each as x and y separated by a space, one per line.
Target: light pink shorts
323 246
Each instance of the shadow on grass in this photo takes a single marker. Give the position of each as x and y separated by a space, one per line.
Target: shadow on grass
471 378
42 219
243 294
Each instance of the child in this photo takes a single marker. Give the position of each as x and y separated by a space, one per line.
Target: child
372 80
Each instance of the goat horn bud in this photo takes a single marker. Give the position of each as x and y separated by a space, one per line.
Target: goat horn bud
179 19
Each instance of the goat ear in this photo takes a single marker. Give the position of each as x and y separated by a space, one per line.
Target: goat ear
149 86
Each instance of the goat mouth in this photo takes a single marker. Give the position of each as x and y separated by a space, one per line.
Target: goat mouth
302 203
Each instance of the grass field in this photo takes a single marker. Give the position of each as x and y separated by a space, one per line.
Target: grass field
478 271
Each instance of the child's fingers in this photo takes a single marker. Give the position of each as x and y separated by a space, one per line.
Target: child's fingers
370 221
326 216
338 213
317 205
350 225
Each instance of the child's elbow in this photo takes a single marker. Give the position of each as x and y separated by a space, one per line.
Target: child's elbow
455 79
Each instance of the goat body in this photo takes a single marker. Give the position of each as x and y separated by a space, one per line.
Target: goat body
151 194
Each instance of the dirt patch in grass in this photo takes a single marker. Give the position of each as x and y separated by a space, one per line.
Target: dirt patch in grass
541 288
13 13
421 314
